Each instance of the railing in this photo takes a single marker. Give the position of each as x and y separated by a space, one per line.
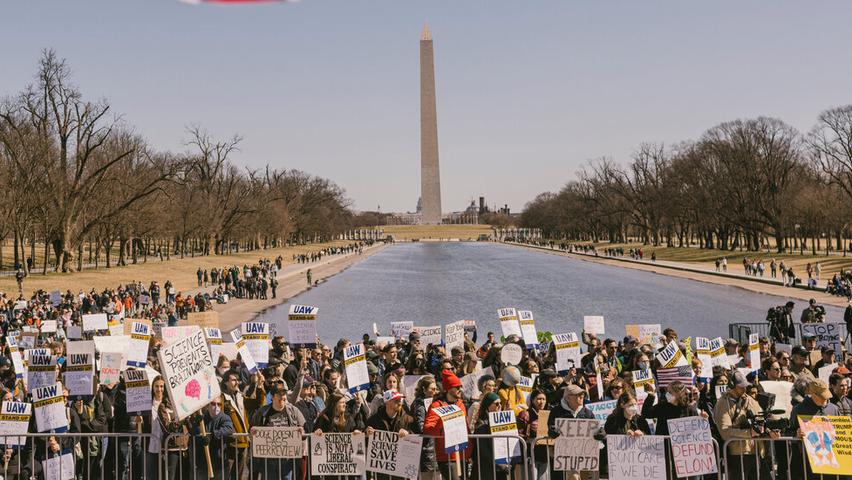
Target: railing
770 459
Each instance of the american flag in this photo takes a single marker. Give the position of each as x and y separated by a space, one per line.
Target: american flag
665 376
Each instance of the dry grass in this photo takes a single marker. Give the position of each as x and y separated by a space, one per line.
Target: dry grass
409 232
180 271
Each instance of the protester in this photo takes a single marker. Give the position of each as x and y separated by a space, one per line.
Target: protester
483 460
433 425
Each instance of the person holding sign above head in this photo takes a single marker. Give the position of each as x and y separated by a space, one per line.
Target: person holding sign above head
434 426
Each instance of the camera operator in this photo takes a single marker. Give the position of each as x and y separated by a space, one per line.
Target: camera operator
732 414
817 402
780 321
814 313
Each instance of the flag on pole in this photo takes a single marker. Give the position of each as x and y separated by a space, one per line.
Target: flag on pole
682 374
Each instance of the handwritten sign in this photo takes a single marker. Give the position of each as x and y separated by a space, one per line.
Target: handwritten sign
95 322
302 325
511 354
594 324
189 373
138 391
636 457
338 454
831 335
826 440
49 405
401 330
390 454
276 442
59 466
692 447
208 319
576 449
602 410
14 423
454 335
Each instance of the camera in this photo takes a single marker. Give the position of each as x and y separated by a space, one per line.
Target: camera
767 420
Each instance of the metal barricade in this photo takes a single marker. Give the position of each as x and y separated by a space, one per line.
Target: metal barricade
783 458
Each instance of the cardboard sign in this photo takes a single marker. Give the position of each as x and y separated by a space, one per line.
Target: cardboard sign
647 333
49 405
507 443
338 454
276 442
825 439
208 319
454 336
95 322
140 336
14 423
528 331
243 351
429 335
509 321
110 368
455 427
256 335
138 391
630 458
831 335
567 351
41 368
389 454
692 447
576 449
302 325
128 325
594 324
671 356
702 352
190 374
80 368
511 354
401 330
355 361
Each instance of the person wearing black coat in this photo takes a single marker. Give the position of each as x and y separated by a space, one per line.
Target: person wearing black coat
390 417
427 388
217 427
625 419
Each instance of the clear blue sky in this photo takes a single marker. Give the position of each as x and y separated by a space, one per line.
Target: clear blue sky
527 91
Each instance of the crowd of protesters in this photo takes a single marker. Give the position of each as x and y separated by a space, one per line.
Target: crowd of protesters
318 255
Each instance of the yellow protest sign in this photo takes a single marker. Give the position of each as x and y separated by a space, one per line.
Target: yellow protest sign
828 441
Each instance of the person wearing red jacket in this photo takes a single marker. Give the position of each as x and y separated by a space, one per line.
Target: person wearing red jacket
434 426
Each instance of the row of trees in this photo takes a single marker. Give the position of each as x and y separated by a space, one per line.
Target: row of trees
747 184
75 176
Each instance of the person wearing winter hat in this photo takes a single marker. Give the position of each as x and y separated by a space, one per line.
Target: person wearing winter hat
509 393
434 425
483 455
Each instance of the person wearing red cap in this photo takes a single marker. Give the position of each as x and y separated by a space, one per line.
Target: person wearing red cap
434 426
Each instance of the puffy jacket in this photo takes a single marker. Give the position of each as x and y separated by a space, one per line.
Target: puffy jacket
434 426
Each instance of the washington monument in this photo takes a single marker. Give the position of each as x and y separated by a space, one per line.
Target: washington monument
430 176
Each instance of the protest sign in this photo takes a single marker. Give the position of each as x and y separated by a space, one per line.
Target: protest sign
454 336
128 325
594 325
80 368
208 319
754 351
302 325
189 373
74 332
110 367
511 354
256 335
409 385
824 372
338 454
138 391
602 410
27 340
692 447
429 335
630 458
115 324
401 330
214 341
144 299
48 327
95 322
528 331
646 333
640 379
470 387
49 405
470 328
111 343
827 441
140 336
243 351
831 335
509 321
702 351
173 334
507 443
41 368
525 386
381 341
14 423
671 356
59 466
15 353
389 454
20 305
276 442
55 298
576 449
567 351
355 361
718 356
455 427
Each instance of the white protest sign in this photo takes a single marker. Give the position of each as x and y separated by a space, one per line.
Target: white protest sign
602 410
41 368
138 391
511 354
74 332
14 423
717 353
642 457
48 326
256 335
470 387
831 335
49 405
140 336
27 339
243 351
355 361
110 367
115 323
824 372
214 341
409 385
455 427
189 373
671 356
429 335
702 352
594 324
509 321
454 335
113 343
692 447
576 449
302 325
55 298
80 368
528 331
525 386
567 351
95 322
503 424
754 351
389 454
59 467
173 334
15 353
338 454
276 442
784 347
401 330
640 379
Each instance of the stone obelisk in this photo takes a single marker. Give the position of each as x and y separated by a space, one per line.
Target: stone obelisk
430 178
